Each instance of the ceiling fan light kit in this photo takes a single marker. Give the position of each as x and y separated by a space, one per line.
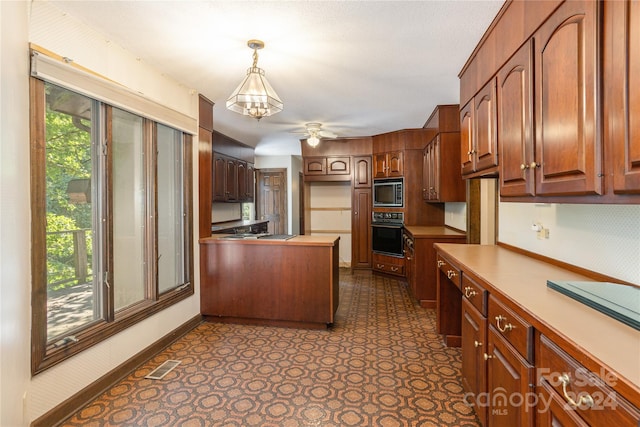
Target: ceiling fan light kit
254 96
315 133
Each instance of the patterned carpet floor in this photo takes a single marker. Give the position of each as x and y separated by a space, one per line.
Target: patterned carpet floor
380 364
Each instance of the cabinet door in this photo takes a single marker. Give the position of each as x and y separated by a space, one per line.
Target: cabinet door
380 165
231 180
394 164
485 143
338 165
466 138
425 173
568 141
474 367
251 182
362 172
434 168
515 124
624 103
552 411
361 228
219 177
509 379
315 165
242 180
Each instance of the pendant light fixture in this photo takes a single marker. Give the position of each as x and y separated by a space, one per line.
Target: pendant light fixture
254 96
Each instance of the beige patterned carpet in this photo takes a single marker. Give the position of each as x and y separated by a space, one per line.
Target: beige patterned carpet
381 364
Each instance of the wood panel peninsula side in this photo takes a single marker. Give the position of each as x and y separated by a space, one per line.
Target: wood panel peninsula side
290 283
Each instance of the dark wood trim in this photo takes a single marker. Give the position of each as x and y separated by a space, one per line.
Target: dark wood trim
473 211
68 407
579 270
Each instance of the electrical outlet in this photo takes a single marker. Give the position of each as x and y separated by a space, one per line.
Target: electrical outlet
543 233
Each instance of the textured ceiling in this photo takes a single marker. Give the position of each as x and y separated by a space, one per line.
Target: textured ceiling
357 67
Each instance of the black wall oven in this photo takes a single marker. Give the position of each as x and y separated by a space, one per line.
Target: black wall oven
386 233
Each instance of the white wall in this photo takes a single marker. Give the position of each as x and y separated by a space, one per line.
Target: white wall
22 398
601 238
330 205
455 215
293 165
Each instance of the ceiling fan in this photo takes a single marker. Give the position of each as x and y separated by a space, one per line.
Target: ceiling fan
314 133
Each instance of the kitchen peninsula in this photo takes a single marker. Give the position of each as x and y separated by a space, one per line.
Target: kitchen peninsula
289 281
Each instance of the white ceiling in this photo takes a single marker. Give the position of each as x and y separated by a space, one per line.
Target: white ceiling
357 67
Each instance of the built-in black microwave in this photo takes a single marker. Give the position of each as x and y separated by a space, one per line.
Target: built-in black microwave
388 193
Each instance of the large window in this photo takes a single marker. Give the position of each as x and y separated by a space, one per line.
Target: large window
111 220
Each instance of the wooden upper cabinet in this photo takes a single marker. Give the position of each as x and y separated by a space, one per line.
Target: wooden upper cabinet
315 165
388 165
515 124
568 143
219 178
362 172
231 179
485 115
479 143
622 107
242 180
466 138
338 165
251 182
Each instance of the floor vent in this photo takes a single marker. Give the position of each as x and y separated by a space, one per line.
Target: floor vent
162 370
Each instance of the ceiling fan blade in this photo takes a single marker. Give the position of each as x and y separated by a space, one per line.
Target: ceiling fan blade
327 134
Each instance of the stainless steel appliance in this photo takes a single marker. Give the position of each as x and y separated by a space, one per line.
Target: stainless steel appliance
386 233
388 193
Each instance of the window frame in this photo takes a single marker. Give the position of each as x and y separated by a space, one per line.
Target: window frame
44 354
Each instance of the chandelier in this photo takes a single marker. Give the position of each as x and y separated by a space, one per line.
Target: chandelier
255 97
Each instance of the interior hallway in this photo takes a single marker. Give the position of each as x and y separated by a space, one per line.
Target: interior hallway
381 364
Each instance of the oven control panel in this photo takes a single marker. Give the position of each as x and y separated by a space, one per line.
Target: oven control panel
388 217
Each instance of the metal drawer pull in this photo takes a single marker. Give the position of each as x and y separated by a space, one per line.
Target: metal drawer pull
585 399
487 356
394 268
451 274
477 344
506 327
440 263
469 292
379 265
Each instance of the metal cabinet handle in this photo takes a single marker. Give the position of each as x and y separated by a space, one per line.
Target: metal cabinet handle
394 268
487 356
585 399
504 328
534 165
477 344
440 263
523 166
451 274
379 265
469 292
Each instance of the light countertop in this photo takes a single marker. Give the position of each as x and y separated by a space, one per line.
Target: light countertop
433 231
523 280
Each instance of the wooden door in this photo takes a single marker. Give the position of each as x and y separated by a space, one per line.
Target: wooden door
515 124
231 180
380 165
474 367
362 172
466 138
361 228
555 412
251 182
395 167
242 181
485 142
568 141
509 376
272 199
623 115
219 177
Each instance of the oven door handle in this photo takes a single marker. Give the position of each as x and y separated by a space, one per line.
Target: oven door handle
387 225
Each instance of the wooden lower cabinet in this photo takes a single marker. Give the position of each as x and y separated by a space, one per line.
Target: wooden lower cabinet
509 383
586 398
388 264
361 228
474 366
554 412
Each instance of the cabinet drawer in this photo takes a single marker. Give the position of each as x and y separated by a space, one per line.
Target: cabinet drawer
449 270
584 392
512 327
475 293
390 268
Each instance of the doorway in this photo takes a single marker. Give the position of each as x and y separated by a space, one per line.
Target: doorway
272 199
